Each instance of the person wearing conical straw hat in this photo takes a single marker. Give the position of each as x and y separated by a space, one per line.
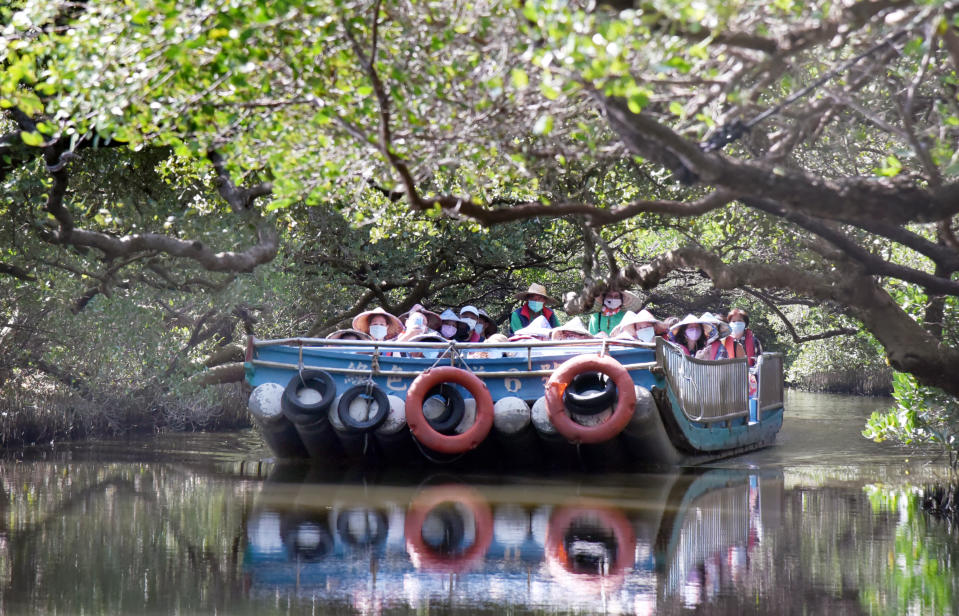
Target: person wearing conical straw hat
571 330
610 309
689 334
639 326
379 324
534 305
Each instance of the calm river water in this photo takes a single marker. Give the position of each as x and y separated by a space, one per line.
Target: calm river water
824 522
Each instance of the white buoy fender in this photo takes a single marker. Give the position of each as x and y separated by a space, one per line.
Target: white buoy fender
266 402
396 418
510 415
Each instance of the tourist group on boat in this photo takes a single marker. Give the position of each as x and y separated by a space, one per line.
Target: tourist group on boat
617 315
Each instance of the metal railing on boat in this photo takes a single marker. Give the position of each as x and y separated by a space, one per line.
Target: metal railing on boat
707 391
453 353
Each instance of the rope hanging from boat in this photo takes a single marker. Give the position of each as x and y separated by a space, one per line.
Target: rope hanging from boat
731 131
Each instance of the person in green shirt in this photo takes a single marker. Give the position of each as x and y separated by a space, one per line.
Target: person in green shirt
611 307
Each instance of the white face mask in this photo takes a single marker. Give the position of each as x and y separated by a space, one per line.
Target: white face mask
738 327
612 303
479 328
645 334
471 323
693 333
378 331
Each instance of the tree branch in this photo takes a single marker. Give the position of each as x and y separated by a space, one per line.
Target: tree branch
831 333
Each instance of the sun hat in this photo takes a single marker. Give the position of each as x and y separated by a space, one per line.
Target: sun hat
490 328
449 315
432 319
574 325
689 319
362 322
472 309
338 334
538 328
536 289
631 301
633 318
711 320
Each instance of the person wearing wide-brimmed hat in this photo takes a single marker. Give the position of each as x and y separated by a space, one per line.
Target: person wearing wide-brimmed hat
610 309
453 327
348 334
689 335
419 322
489 328
432 320
379 324
639 326
534 305
571 330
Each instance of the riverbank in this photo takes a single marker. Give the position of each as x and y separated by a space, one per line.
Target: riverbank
31 417
855 381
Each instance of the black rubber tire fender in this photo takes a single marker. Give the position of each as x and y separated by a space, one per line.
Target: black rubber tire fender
374 422
299 412
455 408
582 398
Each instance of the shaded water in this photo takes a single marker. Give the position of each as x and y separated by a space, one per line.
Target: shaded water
823 522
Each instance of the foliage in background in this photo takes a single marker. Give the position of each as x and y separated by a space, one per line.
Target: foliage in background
922 416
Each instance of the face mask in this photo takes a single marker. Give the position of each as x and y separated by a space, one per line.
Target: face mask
693 334
535 306
378 331
645 334
431 354
738 327
471 323
612 303
448 331
479 328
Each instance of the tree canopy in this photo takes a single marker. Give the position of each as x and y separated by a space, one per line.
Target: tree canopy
803 151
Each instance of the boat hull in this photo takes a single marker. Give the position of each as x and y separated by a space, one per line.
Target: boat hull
660 431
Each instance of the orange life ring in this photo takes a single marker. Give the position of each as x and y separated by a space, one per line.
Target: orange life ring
421 428
560 380
421 554
557 559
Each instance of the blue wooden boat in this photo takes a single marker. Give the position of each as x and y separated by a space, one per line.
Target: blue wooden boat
685 411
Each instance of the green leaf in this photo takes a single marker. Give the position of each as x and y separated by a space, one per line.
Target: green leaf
892 167
34 139
544 125
520 78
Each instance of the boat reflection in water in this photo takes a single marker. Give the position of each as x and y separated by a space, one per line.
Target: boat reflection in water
678 540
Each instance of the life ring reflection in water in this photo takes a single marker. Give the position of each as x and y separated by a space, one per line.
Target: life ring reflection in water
436 529
590 546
